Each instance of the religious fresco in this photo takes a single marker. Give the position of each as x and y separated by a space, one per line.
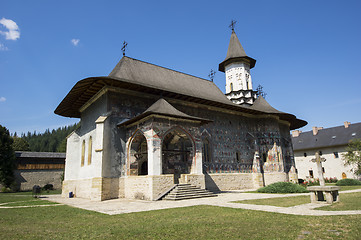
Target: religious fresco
232 141
274 162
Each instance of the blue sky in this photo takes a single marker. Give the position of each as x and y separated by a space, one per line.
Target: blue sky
307 52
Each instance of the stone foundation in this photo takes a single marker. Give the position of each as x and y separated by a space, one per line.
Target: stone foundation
232 181
257 180
80 188
97 189
146 187
273 177
150 187
197 180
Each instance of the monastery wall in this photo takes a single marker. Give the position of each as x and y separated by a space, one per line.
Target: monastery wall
27 178
333 165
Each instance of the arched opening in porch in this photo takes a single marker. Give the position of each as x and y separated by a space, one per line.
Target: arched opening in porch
177 153
138 155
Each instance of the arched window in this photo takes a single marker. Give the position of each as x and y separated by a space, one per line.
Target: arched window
231 87
138 155
90 151
82 153
206 151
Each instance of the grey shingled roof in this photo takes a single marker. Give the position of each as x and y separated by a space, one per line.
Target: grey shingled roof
335 136
261 104
148 78
143 73
39 154
162 107
235 53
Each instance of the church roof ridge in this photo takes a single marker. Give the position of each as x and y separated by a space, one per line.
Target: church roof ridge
156 65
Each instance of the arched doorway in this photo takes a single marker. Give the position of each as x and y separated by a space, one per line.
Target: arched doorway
138 155
177 153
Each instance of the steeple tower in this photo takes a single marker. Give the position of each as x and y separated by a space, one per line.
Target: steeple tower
237 67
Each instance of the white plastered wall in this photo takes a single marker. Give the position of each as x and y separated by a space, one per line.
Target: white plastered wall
333 166
238 74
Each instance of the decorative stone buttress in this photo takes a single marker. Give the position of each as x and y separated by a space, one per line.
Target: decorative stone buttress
237 67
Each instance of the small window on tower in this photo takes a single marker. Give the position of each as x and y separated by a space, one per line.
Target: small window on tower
311 173
335 154
305 154
231 87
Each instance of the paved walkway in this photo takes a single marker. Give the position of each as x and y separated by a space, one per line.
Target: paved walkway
119 206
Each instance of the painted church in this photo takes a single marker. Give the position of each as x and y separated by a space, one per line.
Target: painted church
146 128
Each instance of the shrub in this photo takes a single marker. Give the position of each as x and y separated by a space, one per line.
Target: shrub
48 187
348 182
6 190
282 187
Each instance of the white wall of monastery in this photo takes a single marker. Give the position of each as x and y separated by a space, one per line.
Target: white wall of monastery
333 166
73 168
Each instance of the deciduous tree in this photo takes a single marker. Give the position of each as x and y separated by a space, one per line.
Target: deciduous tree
353 156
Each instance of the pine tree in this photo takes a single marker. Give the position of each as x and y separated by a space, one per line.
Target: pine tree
49 141
7 158
20 144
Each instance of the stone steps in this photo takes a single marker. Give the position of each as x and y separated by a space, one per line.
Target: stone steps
187 191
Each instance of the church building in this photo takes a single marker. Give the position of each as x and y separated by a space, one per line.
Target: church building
146 128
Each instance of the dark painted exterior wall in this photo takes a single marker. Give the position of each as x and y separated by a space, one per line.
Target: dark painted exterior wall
230 134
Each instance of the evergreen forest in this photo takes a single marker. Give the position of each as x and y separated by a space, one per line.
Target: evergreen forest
49 141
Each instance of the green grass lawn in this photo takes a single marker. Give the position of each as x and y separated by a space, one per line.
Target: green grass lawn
344 188
199 222
22 196
348 201
279 202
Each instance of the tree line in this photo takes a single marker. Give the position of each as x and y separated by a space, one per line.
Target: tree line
49 141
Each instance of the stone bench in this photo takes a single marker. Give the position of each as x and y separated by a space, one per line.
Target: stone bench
331 193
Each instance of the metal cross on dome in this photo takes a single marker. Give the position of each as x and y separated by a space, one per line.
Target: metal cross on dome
232 25
125 44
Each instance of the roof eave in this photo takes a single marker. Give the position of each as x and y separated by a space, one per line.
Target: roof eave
249 60
147 114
